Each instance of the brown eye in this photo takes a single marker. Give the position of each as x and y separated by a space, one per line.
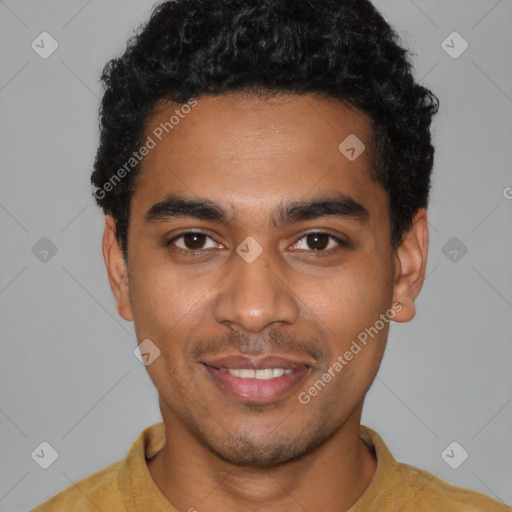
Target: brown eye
318 242
193 241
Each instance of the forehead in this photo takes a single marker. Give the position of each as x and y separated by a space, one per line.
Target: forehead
251 152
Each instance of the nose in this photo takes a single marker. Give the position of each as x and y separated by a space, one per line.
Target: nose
254 296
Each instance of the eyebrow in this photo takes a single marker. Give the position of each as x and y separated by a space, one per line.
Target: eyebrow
336 205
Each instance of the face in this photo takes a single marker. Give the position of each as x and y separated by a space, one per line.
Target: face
258 255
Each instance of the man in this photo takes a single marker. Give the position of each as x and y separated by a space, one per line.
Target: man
264 167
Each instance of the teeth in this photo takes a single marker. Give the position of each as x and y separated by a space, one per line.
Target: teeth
246 374
263 374
266 374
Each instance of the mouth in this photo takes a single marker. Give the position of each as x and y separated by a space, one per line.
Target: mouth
256 381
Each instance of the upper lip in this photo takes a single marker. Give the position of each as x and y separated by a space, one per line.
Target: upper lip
240 362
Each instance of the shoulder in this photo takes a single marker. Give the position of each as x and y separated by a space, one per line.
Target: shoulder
98 491
422 490
399 486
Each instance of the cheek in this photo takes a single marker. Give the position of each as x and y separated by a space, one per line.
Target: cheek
158 297
356 334
164 301
167 307
352 298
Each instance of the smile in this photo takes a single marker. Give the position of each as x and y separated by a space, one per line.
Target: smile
255 381
264 374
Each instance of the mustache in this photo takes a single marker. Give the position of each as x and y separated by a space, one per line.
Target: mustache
272 342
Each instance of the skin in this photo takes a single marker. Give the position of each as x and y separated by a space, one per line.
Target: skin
252 155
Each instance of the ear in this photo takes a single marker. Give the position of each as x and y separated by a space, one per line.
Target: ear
410 265
117 269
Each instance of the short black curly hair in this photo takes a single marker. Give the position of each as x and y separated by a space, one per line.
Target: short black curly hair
343 49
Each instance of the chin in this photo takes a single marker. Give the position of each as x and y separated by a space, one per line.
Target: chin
264 449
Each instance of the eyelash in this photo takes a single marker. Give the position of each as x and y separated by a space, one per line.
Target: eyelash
317 253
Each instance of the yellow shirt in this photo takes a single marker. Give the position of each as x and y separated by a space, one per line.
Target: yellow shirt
127 486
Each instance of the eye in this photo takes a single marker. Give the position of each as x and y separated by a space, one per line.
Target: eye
318 242
193 241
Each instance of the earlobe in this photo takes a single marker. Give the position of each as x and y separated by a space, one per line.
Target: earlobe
410 266
117 270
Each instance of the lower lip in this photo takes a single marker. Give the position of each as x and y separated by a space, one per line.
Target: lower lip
256 391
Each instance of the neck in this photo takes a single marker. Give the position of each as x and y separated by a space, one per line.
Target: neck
330 478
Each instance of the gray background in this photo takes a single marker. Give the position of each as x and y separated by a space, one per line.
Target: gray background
67 371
